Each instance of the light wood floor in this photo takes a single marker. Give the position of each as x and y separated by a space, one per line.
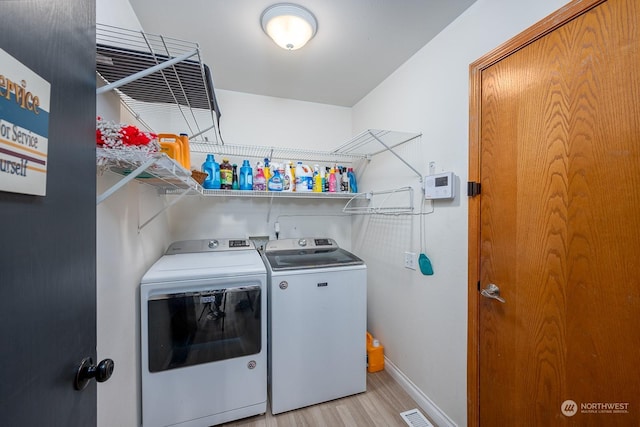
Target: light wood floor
379 406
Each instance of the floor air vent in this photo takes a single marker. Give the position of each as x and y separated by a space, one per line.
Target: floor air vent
414 418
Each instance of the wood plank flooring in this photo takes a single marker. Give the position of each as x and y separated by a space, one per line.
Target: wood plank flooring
379 406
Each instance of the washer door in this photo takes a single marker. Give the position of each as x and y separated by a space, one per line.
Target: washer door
191 328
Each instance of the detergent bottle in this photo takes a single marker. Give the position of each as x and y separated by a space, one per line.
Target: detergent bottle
353 185
288 180
259 181
317 179
246 176
186 151
375 354
212 168
171 145
303 178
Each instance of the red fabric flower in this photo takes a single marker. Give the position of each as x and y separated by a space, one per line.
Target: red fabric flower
118 135
131 135
99 140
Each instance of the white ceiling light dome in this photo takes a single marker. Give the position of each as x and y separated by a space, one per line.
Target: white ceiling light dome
289 25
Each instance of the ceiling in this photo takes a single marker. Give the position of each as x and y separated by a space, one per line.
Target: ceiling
358 44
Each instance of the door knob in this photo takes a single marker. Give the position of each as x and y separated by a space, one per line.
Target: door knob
492 291
87 370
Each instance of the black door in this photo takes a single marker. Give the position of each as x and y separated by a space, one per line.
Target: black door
48 244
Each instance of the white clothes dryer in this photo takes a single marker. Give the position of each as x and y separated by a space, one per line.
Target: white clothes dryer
203 334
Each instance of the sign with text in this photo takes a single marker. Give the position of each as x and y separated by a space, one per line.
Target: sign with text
24 128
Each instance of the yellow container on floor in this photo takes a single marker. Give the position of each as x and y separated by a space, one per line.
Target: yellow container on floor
375 355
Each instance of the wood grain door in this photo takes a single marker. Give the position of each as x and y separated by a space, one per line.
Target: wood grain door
555 144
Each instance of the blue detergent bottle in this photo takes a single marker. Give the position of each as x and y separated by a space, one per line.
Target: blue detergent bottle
246 176
212 168
353 185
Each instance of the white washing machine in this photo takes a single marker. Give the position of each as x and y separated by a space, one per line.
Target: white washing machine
317 322
203 334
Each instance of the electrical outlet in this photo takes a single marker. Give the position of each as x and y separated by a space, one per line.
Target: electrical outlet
410 260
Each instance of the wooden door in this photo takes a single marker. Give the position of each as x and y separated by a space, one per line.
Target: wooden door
555 144
48 244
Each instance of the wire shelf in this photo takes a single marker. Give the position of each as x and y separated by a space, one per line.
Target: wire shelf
155 169
278 194
273 153
374 141
363 146
170 177
396 201
157 78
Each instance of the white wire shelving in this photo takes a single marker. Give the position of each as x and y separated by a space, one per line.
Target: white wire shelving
154 169
172 178
361 147
279 153
392 202
156 78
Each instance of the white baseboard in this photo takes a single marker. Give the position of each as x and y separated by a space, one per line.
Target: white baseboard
436 414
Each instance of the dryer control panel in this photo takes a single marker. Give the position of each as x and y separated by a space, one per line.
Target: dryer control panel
209 245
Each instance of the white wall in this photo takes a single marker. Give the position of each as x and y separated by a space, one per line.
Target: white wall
122 257
262 120
422 320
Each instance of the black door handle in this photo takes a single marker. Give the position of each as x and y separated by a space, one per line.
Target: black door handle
87 370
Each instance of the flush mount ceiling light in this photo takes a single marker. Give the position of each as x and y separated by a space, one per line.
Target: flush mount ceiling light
289 25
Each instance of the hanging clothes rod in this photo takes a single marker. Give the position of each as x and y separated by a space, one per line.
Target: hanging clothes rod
382 207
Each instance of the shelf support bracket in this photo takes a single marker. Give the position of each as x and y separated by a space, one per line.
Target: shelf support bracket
124 181
395 154
195 135
173 202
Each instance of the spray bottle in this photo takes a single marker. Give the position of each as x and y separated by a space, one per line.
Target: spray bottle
259 181
333 183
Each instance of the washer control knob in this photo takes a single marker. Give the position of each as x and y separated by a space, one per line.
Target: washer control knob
213 244
302 242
